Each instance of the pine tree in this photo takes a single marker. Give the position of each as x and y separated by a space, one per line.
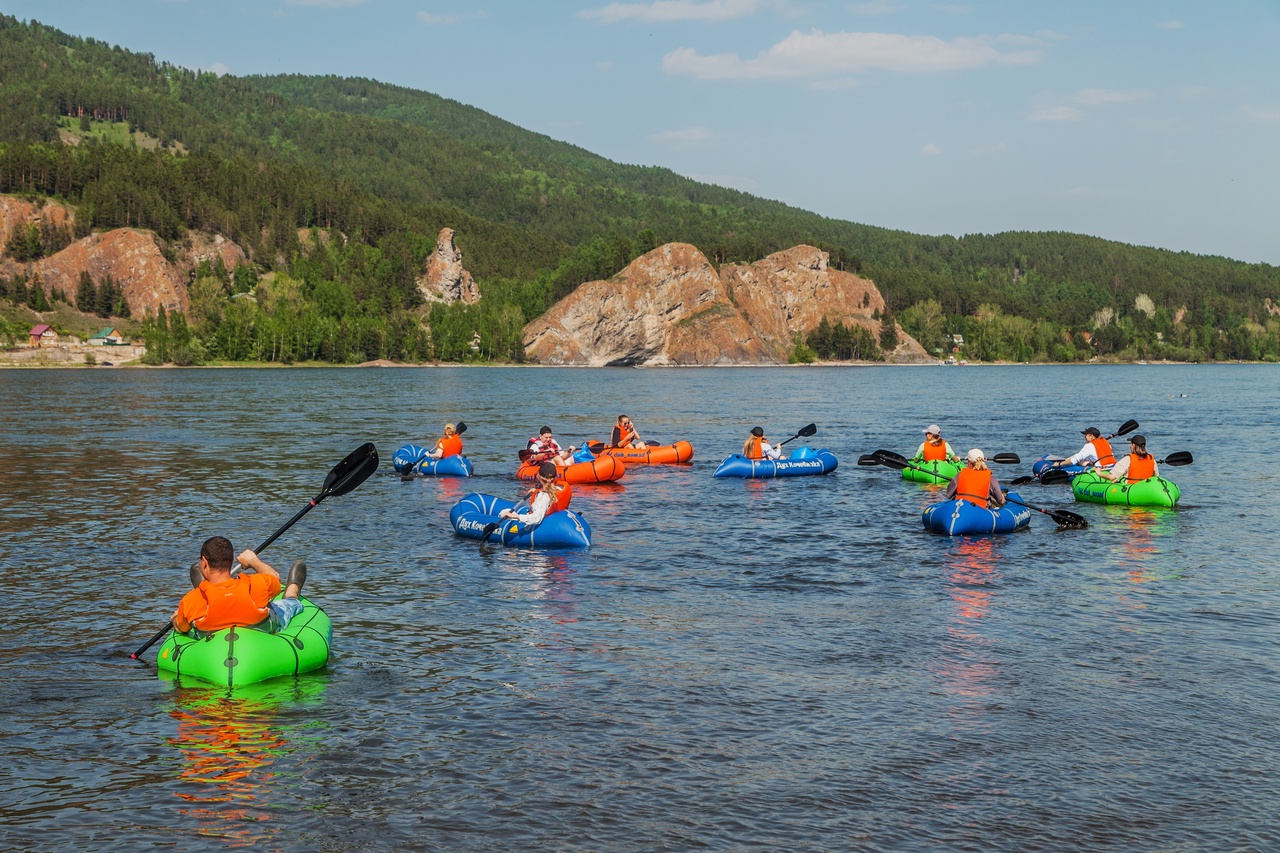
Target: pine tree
86 294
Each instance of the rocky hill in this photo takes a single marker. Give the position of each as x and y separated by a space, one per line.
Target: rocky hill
671 307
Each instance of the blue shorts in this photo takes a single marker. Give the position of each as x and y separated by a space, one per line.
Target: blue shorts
282 611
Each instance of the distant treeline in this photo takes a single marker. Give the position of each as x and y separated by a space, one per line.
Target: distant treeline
381 169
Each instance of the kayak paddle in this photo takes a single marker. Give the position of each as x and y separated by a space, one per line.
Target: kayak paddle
804 432
345 476
1058 475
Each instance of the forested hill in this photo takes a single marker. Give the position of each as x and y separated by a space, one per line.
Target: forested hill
130 140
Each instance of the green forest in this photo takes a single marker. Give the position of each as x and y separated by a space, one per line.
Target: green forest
336 189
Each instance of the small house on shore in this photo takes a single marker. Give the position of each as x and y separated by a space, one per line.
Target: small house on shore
43 335
107 336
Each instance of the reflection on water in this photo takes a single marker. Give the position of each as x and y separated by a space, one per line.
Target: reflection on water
230 743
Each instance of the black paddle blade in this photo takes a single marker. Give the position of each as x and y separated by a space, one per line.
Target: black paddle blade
489 529
461 428
1055 475
1181 457
891 460
868 459
1068 519
352 471
807 431
595 446
1126 428
1022 481
1007 459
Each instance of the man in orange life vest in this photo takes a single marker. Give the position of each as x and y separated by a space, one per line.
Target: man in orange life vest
450 445
976 482
1139 465
245 600
934 448
1096 451
757 446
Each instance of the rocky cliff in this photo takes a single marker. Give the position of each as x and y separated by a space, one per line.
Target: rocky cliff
132 257
445 280
670 306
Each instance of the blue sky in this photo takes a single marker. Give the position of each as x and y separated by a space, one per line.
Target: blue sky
1153 123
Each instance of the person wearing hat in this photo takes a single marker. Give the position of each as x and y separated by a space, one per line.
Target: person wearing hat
1096 451
934 448
544 448
450 445
758 447
1139 465
541 499
976 483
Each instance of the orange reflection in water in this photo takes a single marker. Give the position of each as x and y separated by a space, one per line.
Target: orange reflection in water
229 745
966 670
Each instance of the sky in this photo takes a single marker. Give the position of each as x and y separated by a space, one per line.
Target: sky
1150 123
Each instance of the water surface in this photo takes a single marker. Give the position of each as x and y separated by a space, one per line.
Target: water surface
790 664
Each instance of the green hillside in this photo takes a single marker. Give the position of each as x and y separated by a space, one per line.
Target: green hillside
132 141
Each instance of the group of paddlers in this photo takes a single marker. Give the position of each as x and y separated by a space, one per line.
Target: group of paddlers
976 483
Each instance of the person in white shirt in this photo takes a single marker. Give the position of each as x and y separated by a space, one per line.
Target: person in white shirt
540 500
1096 451
758 447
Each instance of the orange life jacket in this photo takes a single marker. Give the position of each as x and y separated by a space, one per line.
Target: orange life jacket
752 448
240 601
1102 447
1141 467
562 498
973 486
935 452
626 434
450 445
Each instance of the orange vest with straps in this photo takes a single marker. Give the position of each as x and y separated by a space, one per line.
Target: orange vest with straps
752 448
973 486
935 452
626 434
1102 447
1141 467
240 601
450 445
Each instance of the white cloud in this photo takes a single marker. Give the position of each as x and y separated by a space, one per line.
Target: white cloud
689 137
1262 115
219 69
604 65
931 150
1056 114
328 4
1095 97
1170 25
953 8
673 11
834 85
816 54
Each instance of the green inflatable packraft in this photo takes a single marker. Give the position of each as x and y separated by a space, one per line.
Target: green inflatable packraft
1154 491
236 656
935 472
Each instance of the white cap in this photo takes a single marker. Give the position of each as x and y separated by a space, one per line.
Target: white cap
933 429
975 455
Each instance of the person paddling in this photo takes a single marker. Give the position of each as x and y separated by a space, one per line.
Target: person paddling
934 448
1096 452
625 435
544 448
221 600
976 483
757 446
1139 465
542 500
449 445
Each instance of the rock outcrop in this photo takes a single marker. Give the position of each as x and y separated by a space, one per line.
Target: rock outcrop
445 280
670 307
667 307
131 256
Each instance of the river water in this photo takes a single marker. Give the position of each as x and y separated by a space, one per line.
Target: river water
788 664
